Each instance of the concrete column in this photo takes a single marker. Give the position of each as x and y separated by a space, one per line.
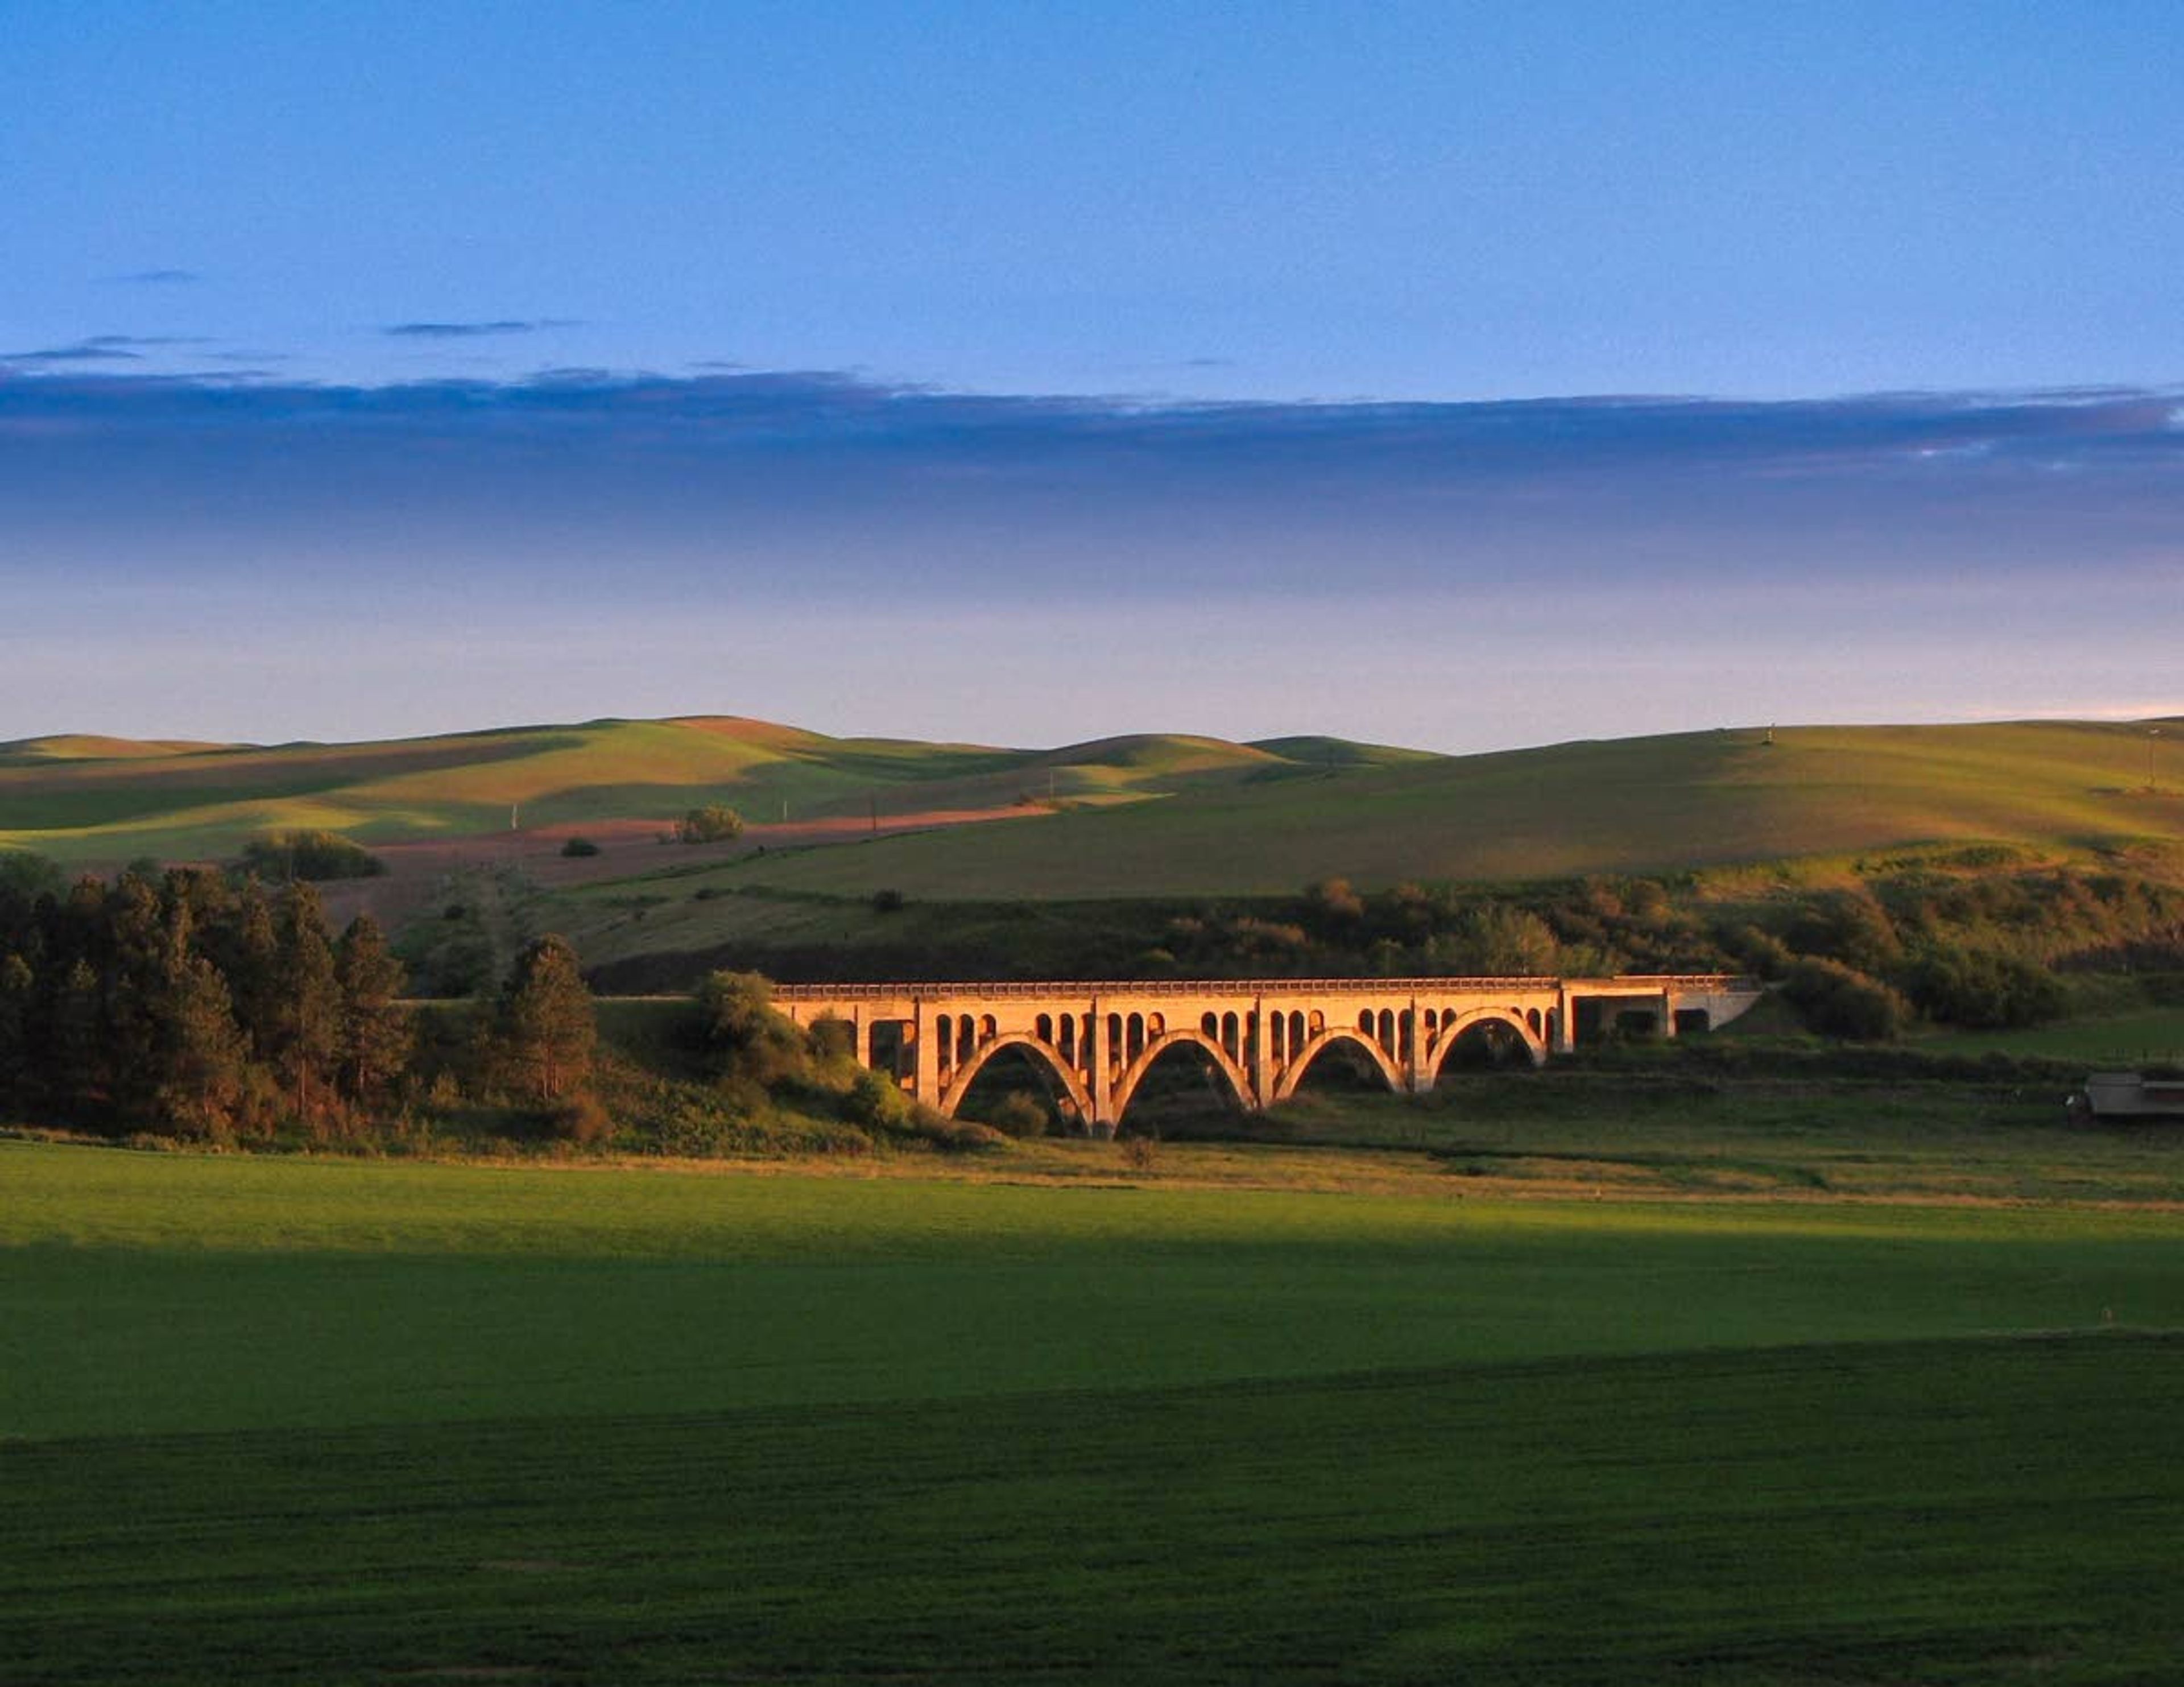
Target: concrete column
1668 1014
1565 1022
1103 1088
1263 1056
1414 1075
861 1033
924 1054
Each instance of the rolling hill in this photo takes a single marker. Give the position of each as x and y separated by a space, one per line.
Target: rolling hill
1623 806
94 800
1134 817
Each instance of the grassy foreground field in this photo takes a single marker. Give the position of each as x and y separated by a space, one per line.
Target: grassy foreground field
348 1422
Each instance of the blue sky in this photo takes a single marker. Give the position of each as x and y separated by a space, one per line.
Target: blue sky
1029 373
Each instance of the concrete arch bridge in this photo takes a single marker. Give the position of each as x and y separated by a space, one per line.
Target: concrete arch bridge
1261 1037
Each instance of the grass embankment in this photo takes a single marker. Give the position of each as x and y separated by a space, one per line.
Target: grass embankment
280 1421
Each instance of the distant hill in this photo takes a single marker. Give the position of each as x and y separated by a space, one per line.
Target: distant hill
89 747
1141 815
1621 805
108 800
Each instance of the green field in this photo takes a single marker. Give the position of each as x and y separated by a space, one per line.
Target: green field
268 1420
103 800
1624 806
1147 816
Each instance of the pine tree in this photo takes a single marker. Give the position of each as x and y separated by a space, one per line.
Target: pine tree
17 993
132 982
305 1014
77 1082
545 1024
203 1060
376 1034
250 959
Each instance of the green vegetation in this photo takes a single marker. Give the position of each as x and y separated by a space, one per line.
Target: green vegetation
412 1422
317 856
112 800
1827 799
711 824
1149 815
1757 1358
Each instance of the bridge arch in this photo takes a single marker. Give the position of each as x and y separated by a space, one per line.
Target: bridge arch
958 1083
1456 1024
1135 1074
1293 1073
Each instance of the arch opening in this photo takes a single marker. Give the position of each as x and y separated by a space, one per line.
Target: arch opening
1181 1081
1017 1064
1340 1062
1484 1040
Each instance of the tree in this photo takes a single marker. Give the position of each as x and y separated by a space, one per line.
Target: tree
544 1025
27 874
250 957
203 1063
18 987
376 1034
711 824
141 937
743 1031
305 1014
1837 1000
285 856
78 1074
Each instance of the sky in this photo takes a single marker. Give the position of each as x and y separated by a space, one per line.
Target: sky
1458 376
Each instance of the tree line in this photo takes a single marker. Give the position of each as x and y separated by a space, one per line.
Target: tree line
208 1005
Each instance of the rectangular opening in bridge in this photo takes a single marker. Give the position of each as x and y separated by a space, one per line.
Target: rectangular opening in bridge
891 1046
1690 1021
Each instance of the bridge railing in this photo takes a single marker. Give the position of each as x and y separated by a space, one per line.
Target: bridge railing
1648 981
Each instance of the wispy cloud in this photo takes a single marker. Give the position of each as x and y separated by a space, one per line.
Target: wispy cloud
157 278
1883 553
102 349
472 331
1153 496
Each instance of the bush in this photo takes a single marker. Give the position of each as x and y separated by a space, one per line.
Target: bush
875 1099
1836 1001
580 846
281 857
711 824
745 1036
1018 1113
887 902
1981 990
580 1119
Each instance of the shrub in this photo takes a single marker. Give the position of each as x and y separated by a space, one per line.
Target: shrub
1981 990
580 1119
711 824
746 1036
1836 1001
887 902
1018 1113
1760 953
580 846
284 856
